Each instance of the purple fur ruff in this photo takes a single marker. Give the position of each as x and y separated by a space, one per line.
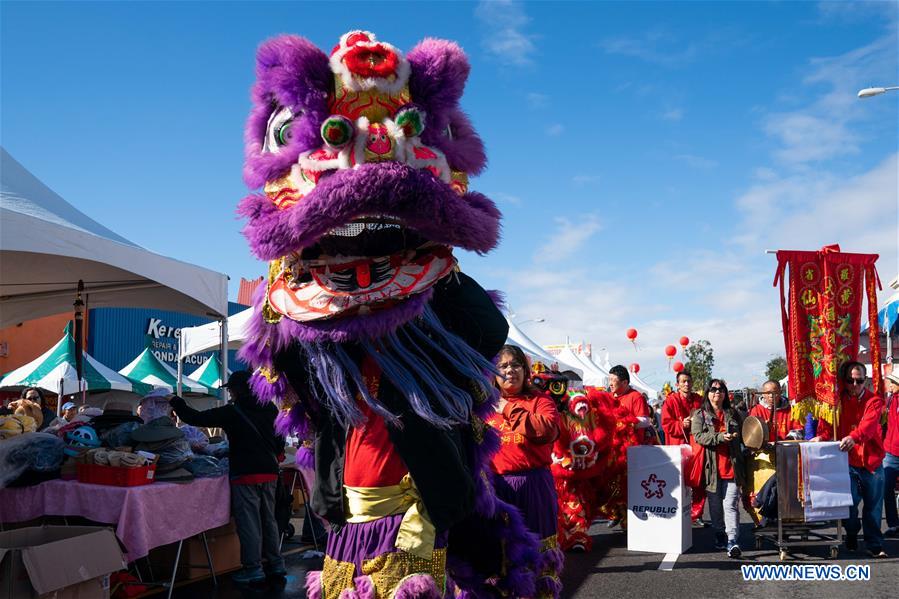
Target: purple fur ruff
291 72
294 421
415 196
305 458
313 584
499 298
521 555
365 589
417 586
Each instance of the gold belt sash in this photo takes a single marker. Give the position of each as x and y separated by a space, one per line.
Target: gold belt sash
416 534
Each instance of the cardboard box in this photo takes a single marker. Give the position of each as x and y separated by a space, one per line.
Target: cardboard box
224 547
58 562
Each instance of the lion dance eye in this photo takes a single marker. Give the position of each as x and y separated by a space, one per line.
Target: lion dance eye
279 131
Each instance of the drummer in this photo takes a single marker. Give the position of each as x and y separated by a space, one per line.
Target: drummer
783 421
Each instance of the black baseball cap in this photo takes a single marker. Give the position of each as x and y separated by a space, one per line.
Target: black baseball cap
239 379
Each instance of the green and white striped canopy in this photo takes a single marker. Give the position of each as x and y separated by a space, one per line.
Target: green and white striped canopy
209 374
55 372
147 368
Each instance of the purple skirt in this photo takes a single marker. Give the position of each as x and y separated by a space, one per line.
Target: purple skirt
357 543
534 493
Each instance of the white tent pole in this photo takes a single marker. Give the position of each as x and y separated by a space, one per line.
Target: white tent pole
224 360
180 373
59 400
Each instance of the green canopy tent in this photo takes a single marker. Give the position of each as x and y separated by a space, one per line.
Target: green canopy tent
55 372
149 369
209 374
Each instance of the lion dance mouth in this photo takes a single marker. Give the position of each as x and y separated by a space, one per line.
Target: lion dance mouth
364 164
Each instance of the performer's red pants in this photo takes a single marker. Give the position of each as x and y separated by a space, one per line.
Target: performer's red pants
698 505
580 503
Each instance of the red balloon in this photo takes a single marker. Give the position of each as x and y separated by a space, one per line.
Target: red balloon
670 351
631 334
635 368
677 366
684 341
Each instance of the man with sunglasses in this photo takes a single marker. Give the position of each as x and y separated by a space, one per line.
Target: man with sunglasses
859 434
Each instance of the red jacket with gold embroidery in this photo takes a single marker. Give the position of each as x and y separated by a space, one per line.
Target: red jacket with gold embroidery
527 427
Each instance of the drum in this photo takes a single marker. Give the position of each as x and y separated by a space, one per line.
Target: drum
755 432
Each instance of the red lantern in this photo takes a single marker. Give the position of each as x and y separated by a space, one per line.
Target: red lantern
635 368
632 335
684 342
677 366
670 351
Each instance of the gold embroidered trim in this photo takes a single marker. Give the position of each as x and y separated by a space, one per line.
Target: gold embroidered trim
336 576
268 313
388 571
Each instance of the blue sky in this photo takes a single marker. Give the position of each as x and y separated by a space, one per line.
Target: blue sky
644 154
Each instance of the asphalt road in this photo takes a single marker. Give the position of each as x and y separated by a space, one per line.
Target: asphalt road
611 571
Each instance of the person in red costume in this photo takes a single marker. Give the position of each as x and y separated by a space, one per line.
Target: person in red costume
859 434
527 422
590 464
676 422
633 402
891 459
783 421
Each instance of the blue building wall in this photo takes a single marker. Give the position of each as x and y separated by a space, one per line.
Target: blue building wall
117 335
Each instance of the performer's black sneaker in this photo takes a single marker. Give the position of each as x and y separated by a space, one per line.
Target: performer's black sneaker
851 543
733 549
877 553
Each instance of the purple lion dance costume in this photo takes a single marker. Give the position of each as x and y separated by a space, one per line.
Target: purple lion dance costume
366 334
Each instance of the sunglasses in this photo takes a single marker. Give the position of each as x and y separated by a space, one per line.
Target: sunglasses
854 381
716 390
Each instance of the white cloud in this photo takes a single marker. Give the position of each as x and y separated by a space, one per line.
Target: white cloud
506 198
505 38
555 129
673 114
567 238
826 127
537 100
657 46
585 179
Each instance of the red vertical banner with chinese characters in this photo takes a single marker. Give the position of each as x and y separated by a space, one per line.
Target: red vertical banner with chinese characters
821 310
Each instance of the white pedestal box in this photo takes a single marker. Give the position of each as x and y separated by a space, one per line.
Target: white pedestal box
658 501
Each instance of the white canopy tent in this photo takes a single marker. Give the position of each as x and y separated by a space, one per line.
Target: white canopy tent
593 376
47 246
517 337
636 382
206 337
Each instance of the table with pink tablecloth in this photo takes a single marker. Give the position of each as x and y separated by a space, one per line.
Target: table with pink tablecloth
145 517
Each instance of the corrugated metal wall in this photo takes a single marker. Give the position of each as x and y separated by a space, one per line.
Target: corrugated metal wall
117 335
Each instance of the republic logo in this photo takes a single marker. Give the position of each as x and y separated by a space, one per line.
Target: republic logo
650 482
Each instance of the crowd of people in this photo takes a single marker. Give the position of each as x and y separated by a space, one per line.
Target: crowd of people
536 427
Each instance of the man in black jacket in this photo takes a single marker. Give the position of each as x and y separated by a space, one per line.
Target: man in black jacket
253 469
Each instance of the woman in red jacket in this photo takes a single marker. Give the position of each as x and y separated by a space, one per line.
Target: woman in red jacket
527 423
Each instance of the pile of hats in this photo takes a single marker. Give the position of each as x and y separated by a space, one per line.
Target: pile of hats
160 436
118 458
